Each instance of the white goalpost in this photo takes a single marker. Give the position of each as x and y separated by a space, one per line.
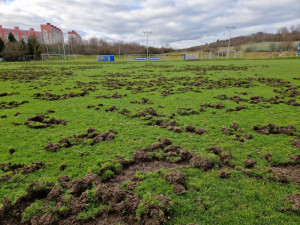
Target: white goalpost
144 58
52 57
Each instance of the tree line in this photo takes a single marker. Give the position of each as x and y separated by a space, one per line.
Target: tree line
14 50
95 46
284 37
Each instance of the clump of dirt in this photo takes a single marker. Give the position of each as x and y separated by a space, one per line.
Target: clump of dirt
249 163
115 95
142 102
295 200
268 156
12 104
234 126
16 168
12 151
51 147
8 94
216 150
237 132
219 105
275 129
226 131
204 163
186 111
53 97
38 122
156 211
296 143
192 129
91 137
248 136
112 109
177 179
224 174
295 157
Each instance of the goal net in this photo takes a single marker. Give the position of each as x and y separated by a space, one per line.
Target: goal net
143 57
52 57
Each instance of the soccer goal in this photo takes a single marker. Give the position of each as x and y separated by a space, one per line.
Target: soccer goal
136 57
191 56
157 57
143 57
52 57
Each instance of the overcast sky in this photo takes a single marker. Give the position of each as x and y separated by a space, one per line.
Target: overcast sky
179 23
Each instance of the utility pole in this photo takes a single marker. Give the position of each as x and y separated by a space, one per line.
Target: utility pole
229 28
147 33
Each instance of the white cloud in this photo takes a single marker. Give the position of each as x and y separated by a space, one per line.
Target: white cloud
180 23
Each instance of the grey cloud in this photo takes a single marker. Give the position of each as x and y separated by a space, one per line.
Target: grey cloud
170 20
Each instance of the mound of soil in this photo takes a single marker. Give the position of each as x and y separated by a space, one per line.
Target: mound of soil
38 122
53 97
216 150
296 143
224 174
249 163
295 200
275 129
204 163
226 131
192 129
91 137
12 104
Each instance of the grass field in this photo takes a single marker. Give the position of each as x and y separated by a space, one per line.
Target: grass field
234 127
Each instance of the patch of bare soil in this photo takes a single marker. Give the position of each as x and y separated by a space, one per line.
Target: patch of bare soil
122 204
286 173
295 200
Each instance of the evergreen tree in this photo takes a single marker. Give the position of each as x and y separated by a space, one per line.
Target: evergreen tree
22 48
11 38
34 47
2 45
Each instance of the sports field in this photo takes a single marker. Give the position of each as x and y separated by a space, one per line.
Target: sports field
176 142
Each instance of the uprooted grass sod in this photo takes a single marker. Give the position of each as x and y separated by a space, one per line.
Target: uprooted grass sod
202 142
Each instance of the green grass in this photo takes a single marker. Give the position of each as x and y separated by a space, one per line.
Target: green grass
239 199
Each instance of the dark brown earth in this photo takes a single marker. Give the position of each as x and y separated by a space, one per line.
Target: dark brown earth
107 192
296 143
91 134
275 129
39 121
224 174
289 172
295 200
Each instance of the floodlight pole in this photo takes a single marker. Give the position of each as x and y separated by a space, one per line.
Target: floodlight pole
230 28
147 33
